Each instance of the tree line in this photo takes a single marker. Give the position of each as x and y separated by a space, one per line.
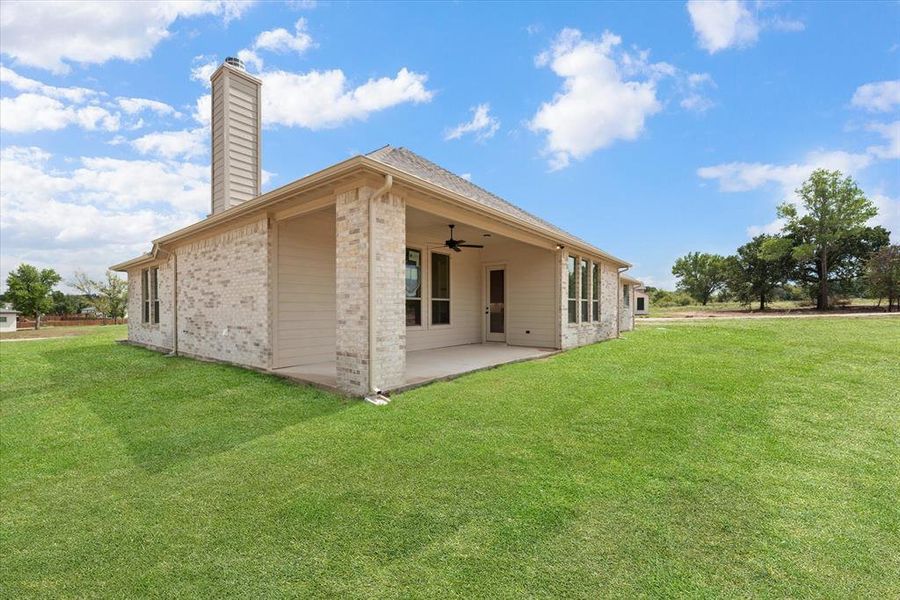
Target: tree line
30 291
825 249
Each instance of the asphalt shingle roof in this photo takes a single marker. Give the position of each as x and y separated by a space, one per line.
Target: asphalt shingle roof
409 162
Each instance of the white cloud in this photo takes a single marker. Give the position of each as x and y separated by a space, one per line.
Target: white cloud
281 40
251 59
44 107
324 99
879 96
173 144
596 106
694 100
34 112
97 213
24 84
203 69
891 134
888 213
50 35
203 110
136 105
744 177
723 24
482 124
466 176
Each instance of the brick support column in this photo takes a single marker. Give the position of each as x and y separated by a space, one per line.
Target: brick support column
352 286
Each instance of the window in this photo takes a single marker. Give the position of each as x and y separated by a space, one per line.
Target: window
413 287
573 290
640 303
440 289
626 297
145 296
154 294
2 319
150 295
595 294
585 287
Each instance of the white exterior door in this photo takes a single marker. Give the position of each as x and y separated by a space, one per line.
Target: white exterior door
495 305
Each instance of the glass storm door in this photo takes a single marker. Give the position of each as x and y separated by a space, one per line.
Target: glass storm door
495 310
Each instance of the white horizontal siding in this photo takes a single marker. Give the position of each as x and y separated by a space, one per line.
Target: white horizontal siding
465 299
306 297
530 292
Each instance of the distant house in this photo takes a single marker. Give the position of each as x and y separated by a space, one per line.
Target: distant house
641 301
8 319
376 273
630 287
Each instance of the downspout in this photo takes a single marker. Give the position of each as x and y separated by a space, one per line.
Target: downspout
375 396
175 304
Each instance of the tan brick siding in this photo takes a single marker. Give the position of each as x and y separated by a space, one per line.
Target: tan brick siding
626 314
351 216
578 334
223 305
158 335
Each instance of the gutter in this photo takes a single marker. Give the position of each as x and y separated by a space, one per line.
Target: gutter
375 395
344 169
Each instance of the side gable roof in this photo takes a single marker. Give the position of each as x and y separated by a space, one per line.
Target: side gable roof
409 162
403 162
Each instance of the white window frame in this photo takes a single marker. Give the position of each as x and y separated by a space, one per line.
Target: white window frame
595 291
154 295
584 290
145 296
626 295
423 315
571 270
432 299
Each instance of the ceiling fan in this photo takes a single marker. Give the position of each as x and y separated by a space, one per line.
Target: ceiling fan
456 245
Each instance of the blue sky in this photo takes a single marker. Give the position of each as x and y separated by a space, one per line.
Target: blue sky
649 130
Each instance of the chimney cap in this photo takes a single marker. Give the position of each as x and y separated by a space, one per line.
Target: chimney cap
233 61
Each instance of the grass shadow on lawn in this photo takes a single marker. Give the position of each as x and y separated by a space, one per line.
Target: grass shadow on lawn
166 410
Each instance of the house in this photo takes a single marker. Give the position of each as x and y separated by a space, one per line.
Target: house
378 272
641 301
8 319
630 285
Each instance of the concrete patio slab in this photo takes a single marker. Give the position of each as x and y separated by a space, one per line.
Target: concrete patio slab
423 366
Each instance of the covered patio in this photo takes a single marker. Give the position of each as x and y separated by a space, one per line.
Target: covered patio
424 366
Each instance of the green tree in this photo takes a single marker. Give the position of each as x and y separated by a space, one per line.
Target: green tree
109 297
884 275
29 290
66 304
700 274
833 210
759 268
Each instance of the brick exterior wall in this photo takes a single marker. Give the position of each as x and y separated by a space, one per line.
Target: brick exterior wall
223 301
573 335
158 335
626 313
352 281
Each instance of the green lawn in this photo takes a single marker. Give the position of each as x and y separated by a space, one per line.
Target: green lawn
855 304
708 459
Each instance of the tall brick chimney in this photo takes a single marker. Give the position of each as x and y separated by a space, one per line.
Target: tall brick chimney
236 128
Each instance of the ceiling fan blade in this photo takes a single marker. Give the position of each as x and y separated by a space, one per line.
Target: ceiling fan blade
460 241
470 245
455 248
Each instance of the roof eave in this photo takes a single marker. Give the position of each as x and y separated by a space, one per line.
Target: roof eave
551 235
342 169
